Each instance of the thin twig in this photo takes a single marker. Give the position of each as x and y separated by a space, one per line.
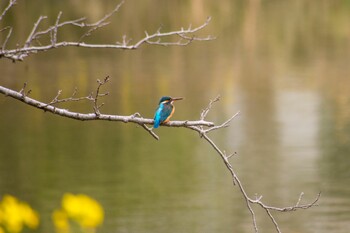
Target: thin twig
32 33
96 106
77 22
70 99
7 38
210 105
54 31
273 220
150 131
102 22
90 97
223 125
23 92
11 3
148 38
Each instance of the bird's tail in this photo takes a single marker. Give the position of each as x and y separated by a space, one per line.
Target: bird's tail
156 123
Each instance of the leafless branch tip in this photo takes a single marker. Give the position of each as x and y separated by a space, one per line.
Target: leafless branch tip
184 36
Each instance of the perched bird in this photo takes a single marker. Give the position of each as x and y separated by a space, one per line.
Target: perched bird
165 110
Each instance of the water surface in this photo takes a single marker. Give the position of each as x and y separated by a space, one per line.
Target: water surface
283 65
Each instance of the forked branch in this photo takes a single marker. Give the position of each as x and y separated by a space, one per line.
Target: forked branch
35 44
235 180
136 118
201 126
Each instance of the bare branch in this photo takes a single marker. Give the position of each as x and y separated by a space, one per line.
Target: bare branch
11 3
32 33
23 92
273 220
96 106
102 22
299 199
180 33
290 208
77 22
70 99
7 37
149 130
210 105
125 42
223 125
54 31
185 37
229 156
92 116
90 97
143 122
55 100
249 201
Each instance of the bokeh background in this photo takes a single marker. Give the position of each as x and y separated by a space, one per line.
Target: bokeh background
283 64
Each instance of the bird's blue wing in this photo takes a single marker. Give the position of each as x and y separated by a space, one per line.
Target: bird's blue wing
161 114
158 116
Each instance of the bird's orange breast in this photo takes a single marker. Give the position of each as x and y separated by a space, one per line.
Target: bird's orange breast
171 114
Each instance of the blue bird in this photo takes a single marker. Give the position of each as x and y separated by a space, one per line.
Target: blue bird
165 110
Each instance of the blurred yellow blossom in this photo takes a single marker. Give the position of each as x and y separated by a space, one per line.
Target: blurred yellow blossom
84 210
60 220
15 214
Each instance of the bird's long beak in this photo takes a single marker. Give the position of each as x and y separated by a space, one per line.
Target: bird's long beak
177 98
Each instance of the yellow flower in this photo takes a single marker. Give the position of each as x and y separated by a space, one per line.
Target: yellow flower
83 209
60 220
12 214
16 214
30 217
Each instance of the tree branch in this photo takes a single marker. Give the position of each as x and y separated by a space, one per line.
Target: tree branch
96 106
235 180
32 34
134 118
6 39
102 22
11 3
185 36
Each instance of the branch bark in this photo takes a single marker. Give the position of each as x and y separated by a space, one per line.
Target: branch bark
235 180
184 36
134 118
10 4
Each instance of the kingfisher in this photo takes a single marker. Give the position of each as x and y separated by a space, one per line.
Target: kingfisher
165 110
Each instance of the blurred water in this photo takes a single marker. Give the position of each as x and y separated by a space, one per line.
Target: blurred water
284 65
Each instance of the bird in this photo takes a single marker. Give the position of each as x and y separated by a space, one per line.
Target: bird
165 110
